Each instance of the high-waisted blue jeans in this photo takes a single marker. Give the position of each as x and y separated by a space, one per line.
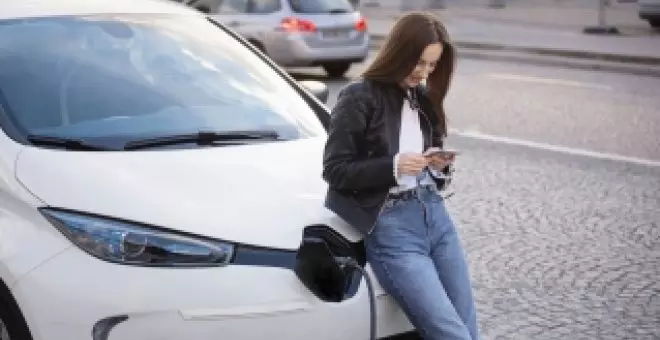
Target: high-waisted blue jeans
417 256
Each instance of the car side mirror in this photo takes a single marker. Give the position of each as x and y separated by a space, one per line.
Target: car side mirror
316 88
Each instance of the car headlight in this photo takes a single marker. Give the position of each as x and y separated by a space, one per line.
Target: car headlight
134 244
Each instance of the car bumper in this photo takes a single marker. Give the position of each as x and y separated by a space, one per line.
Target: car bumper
303 50
65 297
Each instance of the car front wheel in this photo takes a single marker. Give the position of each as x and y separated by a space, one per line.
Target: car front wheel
12 326
336 70
4 331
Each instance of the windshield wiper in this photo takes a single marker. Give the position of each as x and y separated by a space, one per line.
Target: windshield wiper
204 138
66 143
338 11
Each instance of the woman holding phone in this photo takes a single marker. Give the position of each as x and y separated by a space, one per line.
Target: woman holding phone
385 167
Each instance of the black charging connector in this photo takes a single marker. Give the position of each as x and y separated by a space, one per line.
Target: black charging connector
347 262
328 275
318 270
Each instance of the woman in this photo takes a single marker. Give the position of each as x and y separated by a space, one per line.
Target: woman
381 182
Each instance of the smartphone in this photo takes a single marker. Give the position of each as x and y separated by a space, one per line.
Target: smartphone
446 153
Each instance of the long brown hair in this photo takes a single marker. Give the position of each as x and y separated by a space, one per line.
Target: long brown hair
401 51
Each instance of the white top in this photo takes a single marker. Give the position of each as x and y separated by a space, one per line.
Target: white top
411 139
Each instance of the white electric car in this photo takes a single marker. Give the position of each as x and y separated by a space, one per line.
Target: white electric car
158 176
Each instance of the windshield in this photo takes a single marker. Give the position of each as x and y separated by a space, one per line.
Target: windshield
321 6
131 77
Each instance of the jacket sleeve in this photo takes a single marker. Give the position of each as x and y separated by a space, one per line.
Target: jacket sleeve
343 168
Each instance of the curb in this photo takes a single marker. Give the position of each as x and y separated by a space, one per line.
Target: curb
631 59
592 65
376 40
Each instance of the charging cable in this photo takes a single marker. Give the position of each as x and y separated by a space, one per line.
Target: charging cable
351 263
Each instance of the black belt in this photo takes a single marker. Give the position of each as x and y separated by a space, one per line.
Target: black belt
408 194
402 195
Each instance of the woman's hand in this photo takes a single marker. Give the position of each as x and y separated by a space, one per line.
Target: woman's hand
411 164
440 161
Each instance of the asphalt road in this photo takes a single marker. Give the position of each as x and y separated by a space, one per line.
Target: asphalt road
596 111
563 243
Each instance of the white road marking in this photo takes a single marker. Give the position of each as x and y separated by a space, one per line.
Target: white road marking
556 148
548 81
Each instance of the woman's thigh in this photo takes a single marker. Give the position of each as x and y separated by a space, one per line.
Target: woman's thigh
399 253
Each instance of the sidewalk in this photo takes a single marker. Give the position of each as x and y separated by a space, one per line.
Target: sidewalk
542 28
555 14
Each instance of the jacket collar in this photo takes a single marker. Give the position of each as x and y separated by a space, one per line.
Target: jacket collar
395 94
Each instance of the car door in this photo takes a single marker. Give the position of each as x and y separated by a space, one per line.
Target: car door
263 21
232 13
256 20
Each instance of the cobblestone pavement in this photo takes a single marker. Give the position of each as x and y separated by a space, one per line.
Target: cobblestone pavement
561 247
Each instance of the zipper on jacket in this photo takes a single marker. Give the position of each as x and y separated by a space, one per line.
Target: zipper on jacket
428 121
418 107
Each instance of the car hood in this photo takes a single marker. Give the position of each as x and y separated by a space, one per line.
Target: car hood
259 194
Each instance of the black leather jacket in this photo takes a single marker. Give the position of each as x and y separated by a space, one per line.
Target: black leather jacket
363 138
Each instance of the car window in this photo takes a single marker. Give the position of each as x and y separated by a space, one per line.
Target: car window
138 76
264 6
233 6
320 6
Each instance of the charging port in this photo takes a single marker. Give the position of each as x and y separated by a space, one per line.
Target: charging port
316 265
328 265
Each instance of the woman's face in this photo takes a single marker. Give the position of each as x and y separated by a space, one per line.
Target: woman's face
425 65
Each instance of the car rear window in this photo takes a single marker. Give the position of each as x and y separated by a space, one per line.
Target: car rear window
321 6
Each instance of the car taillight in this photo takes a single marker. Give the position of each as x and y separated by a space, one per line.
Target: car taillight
361 25
297 25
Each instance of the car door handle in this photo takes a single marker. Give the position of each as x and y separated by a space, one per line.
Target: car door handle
234 23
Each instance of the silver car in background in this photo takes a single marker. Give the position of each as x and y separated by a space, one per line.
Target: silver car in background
296 33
